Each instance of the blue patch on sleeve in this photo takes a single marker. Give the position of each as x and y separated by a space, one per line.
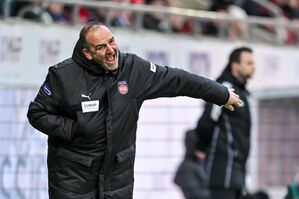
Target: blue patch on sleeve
47 90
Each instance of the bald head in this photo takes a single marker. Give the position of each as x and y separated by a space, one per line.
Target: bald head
91 26
99 45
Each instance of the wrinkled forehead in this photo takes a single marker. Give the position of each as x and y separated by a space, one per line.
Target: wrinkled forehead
98 34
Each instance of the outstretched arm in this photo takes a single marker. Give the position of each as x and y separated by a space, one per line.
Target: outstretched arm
159 81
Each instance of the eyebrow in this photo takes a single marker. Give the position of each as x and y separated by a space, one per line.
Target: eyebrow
101 45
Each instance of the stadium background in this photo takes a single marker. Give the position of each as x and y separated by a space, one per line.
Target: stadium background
26 53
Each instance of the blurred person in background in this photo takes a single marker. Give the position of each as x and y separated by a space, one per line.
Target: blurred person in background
155 21
233 30
136 1
122 18
190 175
293 189
225 136
89 105
184 25
31 10
216 28
289 12
16 5
57 12
97 14
237 29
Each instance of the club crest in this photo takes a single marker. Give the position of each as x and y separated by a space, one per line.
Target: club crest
122 87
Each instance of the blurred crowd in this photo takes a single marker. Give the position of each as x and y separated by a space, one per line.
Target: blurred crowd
238 9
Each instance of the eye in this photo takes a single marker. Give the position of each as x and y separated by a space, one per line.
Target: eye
112 41
99 47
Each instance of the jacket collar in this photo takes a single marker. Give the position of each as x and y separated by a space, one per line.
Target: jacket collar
228 76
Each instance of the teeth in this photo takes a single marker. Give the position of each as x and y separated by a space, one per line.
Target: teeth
110 58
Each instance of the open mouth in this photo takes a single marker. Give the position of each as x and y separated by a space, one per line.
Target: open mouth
111 59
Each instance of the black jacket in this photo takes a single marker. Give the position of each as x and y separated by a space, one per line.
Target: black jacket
190 175
225 136
96 150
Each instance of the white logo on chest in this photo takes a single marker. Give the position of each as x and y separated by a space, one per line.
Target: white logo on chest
90 106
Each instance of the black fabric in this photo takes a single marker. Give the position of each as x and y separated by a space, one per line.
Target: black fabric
59 193
226 140
225 194
190 175
95 151
256 195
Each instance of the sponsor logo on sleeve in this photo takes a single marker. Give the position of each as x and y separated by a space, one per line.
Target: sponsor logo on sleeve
47 90
153 67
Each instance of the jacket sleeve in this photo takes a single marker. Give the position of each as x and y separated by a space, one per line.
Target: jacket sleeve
159 81
45 113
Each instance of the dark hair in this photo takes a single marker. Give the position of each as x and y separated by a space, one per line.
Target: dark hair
235 55
85 30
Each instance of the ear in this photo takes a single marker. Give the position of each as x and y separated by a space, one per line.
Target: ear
86 54
234 66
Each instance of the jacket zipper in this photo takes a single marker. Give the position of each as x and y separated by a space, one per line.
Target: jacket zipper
105 184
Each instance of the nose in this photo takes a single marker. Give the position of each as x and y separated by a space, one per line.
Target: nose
109 49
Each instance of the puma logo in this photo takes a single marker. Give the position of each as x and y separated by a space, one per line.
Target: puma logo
86 96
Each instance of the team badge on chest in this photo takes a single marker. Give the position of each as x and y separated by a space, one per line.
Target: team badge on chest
122 87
